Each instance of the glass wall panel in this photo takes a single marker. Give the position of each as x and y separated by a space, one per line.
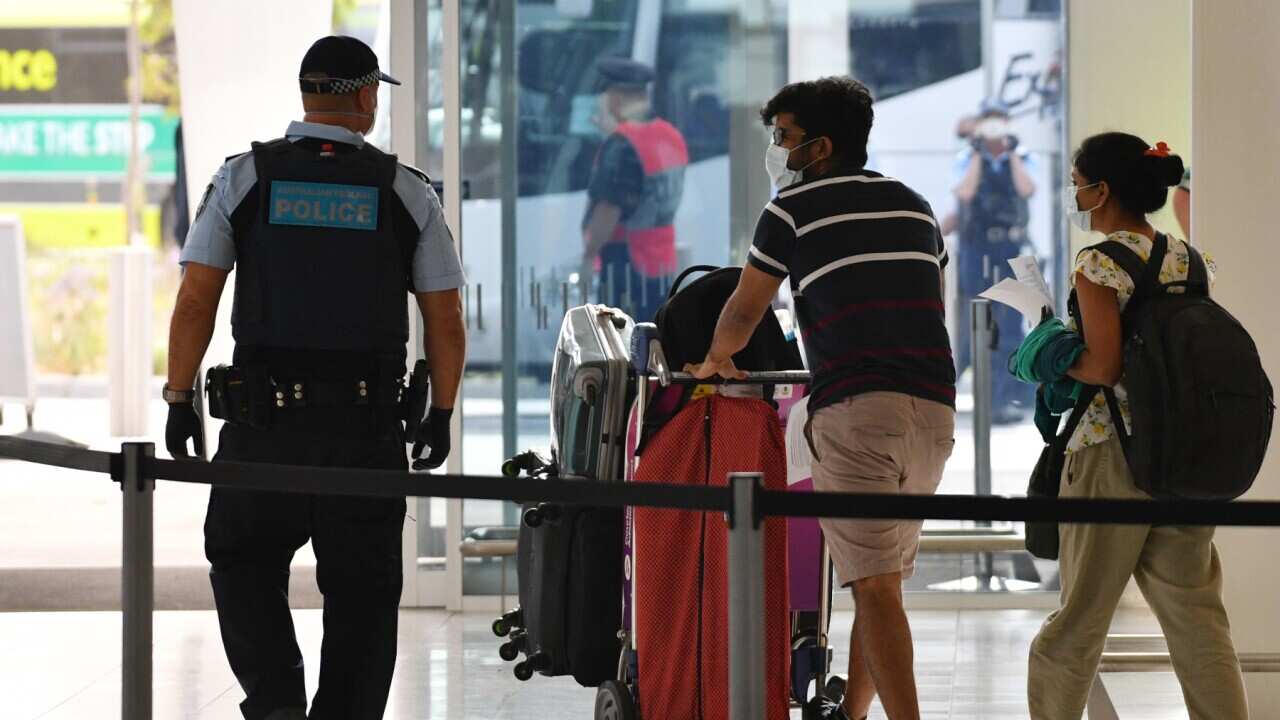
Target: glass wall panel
532 141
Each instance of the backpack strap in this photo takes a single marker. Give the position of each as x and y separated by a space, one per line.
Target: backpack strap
1197 273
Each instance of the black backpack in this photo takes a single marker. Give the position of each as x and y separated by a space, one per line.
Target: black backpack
1200 402
686 325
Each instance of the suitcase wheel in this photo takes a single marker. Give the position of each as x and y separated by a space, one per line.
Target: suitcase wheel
511 649
614 702
835 689
504 625
525 670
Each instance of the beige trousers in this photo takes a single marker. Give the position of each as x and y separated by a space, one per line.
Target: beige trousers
1180 575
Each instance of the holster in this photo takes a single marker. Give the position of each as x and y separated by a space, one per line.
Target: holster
239 395
415 399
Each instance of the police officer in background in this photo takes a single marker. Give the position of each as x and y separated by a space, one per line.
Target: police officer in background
328 236
993 214
636 186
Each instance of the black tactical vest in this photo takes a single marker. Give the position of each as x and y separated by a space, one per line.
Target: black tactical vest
321 264
997 203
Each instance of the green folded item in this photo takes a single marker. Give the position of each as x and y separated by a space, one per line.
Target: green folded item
1046 354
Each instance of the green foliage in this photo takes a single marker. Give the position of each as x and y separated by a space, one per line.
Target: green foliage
343 10
159 54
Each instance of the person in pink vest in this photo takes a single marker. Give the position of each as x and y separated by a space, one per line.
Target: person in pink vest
637 181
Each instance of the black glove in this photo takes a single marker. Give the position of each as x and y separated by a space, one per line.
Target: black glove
432 433
184 423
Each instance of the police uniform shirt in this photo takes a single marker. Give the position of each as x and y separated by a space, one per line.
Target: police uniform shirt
618 176
436 265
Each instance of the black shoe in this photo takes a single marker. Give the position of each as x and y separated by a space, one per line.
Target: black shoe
821 708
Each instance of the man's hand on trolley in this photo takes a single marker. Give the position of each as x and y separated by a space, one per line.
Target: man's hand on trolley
432 433
711 367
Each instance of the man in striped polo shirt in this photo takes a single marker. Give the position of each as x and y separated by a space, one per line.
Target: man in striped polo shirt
865 259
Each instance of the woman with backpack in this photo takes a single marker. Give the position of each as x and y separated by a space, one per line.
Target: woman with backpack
1118 179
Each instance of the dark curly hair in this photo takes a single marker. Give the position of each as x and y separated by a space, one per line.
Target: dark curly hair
838 108
1139 181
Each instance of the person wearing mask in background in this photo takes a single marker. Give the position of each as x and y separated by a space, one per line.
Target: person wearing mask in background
1117 181
1182 204
865 260
637 182
992 198
328 236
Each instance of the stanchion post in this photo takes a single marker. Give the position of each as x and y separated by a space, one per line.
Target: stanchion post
746 600
982 339
137 598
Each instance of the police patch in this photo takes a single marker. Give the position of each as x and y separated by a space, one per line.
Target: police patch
204 200
348 207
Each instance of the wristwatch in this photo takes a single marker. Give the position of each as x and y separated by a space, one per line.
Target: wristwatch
172 396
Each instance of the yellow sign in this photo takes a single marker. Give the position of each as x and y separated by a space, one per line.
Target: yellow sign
24 70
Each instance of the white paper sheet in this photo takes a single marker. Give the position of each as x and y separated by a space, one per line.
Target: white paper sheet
1027 270
1017 295
1027 292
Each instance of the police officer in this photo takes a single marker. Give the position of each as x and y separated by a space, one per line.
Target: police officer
328 236
993 213
636 186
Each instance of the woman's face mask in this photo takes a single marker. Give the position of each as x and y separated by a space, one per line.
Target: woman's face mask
1082 219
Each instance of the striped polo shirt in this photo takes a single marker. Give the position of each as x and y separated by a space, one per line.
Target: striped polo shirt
864 255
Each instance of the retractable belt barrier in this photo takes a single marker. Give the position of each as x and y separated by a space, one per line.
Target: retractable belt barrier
136 468
391 483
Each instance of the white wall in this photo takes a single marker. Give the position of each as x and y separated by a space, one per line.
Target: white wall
239 72
1236 109
1129 69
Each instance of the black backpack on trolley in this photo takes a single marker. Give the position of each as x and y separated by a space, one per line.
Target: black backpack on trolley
1200 402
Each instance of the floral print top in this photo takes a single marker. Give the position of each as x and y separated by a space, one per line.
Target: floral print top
1096 427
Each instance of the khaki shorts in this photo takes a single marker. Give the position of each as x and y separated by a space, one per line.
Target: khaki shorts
880 442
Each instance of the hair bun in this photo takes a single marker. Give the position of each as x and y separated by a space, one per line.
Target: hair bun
1165 169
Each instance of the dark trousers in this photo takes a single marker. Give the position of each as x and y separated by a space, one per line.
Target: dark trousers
975 258
624 287
251 537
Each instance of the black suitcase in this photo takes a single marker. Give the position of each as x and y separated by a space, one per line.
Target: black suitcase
569 558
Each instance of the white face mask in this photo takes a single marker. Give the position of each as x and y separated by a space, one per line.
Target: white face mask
1082 219
993 129
775 163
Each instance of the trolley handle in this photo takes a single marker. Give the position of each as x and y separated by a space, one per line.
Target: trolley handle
775 377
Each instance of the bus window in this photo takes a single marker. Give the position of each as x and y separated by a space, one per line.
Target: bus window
896 46
691 88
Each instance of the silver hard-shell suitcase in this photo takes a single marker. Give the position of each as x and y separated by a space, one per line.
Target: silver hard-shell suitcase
591 393
569 556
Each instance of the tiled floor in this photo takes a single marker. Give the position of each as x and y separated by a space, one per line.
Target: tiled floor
65 666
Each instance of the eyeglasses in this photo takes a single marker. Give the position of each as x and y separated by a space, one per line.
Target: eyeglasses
777 135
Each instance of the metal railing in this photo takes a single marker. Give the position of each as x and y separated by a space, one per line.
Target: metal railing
744 500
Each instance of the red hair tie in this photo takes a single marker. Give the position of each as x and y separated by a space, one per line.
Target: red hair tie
1160 150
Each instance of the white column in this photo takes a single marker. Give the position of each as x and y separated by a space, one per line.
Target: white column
1235 111
239 61
1129 69
129 345
817 39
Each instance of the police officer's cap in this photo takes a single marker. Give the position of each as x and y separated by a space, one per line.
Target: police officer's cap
337 65
993 106
621 72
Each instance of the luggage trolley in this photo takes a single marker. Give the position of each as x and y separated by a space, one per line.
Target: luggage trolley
810 609
610 369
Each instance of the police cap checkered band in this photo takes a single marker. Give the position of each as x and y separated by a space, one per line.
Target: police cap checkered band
337 65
